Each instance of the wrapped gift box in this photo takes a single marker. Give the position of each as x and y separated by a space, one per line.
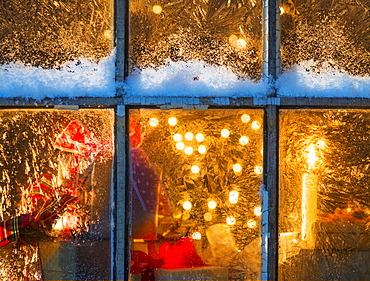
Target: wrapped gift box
194 273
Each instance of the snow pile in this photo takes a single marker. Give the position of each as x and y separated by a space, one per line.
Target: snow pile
79 78
312 80
191 78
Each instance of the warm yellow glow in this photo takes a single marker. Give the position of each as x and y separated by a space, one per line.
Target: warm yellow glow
172 121
237 168
202 149
108 34
195 169
212 204
244 140
59 224
233 39
225 133
196 236
257 211
180 145
311 156
256 125
258 170
321 144
188 150
230 220
245 118
208 216
187 205
177 137
241 43
282 11
157 9
309 207
153 122
251 223
189 136
233 197
199 137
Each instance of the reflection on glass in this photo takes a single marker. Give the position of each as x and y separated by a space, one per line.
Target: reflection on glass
326 34
217 32
52 192
192 215
324 208
50 33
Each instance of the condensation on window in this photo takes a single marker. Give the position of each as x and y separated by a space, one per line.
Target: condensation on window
195 179
48 33
326 34
224 33
324 209
55 171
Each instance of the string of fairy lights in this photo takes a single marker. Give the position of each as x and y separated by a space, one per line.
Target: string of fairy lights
192 143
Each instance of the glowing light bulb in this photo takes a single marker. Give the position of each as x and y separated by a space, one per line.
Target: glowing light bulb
177 137
230 220
251 223
258 170
256 125
244 140
196 236
245 118
257 211
199 137
237 168
195 169
153 122
202 149
180 145
208 216
157 9
189 136
212 204
241 43
233 39
172 121
187 205
225 133
233 197
282 11
188 150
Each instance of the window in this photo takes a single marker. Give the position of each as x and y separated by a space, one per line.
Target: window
56 169
195 179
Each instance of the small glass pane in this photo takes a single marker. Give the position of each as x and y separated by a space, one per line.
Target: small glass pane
222 33
195 179
324 206
55 171
50 33
322 35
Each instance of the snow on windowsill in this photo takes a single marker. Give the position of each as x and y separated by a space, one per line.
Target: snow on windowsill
79 78
82 78
191 79
330 81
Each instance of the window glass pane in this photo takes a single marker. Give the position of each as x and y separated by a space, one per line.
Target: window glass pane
195 179
324 206
55 170
50 33
215 32
326 35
